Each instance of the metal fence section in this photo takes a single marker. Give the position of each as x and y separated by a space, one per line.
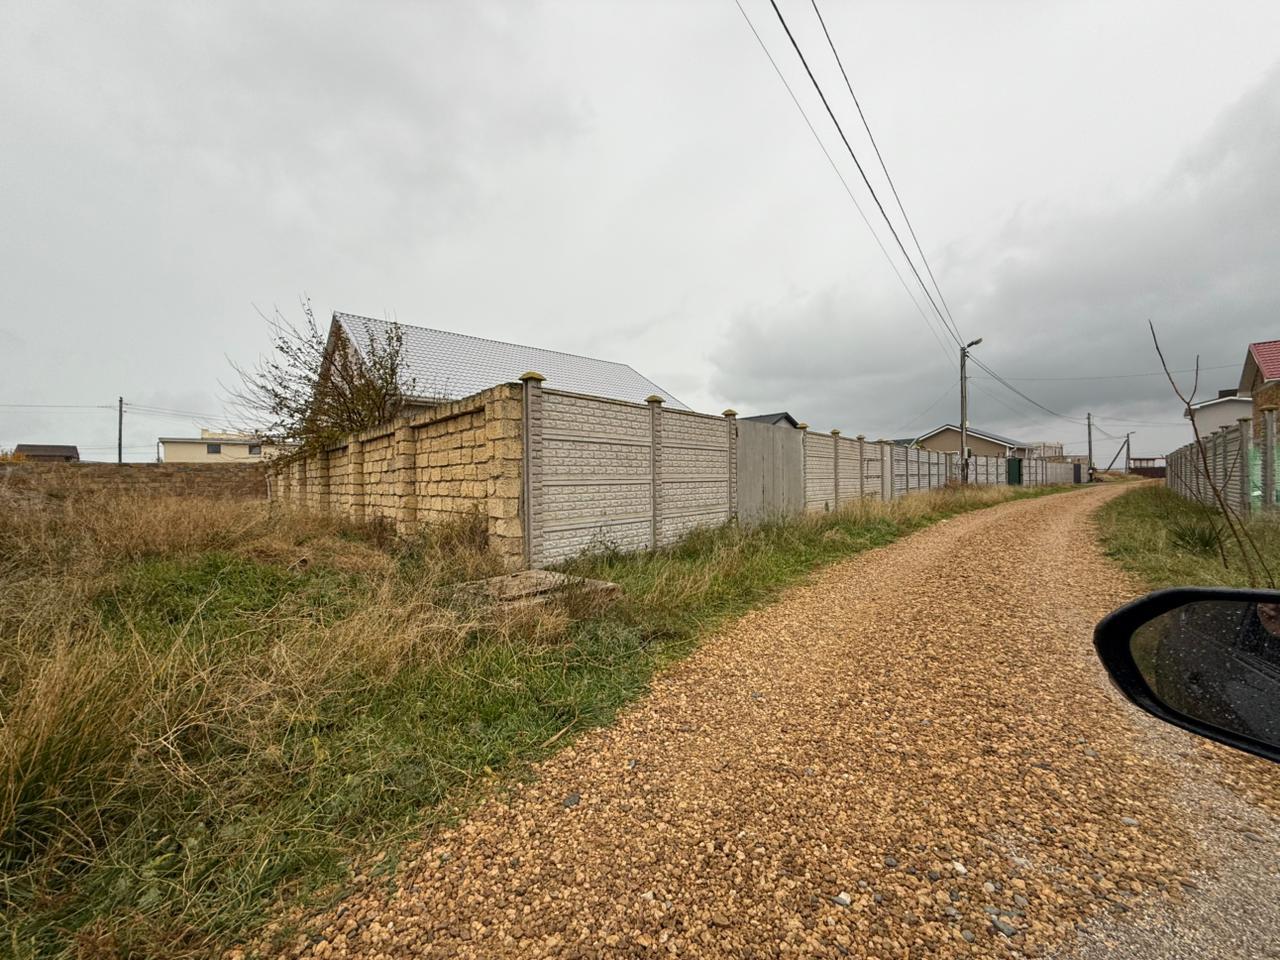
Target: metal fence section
1242 462
770 472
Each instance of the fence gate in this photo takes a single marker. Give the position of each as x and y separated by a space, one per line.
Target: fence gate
1015 471
770 472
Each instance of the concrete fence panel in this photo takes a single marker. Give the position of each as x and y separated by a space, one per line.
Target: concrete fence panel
695 473
595 475
819 472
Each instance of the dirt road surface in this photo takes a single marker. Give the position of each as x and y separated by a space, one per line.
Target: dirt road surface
912 755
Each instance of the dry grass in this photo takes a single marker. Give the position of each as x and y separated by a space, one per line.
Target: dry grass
208 706
164 670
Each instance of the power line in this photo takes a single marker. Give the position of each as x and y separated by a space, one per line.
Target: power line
941 397
58 406
831 113
1035 403
883 166
167 411
1118 376
845 183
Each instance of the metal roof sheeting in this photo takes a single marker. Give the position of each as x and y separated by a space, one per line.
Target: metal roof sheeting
448 365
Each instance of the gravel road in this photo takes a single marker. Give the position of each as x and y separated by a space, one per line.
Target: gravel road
912 755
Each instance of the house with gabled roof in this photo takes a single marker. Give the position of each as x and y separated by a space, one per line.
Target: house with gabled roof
448 366
47 452
1260 379
982 443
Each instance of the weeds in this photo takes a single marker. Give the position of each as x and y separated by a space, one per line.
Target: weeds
208 708
1170 541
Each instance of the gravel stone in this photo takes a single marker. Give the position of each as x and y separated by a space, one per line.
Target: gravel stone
1004 926
982 625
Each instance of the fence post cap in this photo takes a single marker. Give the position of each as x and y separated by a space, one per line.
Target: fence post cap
1243 419
835 431
730 413
532 375
802 426
1267 408
862 436
653 398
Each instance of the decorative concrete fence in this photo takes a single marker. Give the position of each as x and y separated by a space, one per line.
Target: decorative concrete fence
1241 461
554 474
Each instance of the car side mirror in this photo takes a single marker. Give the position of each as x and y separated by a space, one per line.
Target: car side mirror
1203 659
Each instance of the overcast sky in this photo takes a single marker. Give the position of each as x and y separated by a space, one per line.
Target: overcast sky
632 181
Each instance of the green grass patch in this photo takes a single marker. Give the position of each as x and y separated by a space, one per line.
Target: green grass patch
1169 541
205 714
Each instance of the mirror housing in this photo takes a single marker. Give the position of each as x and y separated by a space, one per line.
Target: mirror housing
1213 653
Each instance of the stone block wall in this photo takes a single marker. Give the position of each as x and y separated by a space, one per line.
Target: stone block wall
437 464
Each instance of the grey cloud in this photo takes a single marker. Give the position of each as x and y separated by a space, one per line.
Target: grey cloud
1061 294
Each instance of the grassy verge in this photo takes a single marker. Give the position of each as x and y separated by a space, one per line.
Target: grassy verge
208 707
1168 541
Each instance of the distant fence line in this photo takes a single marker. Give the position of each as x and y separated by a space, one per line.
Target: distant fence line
232 481
1241 461
554 473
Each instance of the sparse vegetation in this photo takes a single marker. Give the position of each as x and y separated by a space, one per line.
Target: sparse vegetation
314 391
207 707
1170 541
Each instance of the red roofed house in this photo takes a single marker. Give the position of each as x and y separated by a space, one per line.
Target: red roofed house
1260 378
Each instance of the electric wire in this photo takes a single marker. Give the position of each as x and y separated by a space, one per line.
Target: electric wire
884 167
845 183
849 147
941 397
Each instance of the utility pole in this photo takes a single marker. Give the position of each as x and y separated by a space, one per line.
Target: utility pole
120 430
1089 421
1127 450
964 411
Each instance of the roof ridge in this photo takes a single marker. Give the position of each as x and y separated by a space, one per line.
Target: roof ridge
987 434
502 343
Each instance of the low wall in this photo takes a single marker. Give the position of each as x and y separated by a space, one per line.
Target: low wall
223 480
446 462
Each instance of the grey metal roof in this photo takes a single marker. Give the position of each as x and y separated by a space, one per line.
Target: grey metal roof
774 418
985 434
451 365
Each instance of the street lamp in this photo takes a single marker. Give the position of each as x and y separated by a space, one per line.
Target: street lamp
964 411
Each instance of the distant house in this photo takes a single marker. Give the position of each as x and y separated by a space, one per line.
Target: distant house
1222 411
1260 379
982 443
47 452
447 366
1048 450
781 418
215 447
